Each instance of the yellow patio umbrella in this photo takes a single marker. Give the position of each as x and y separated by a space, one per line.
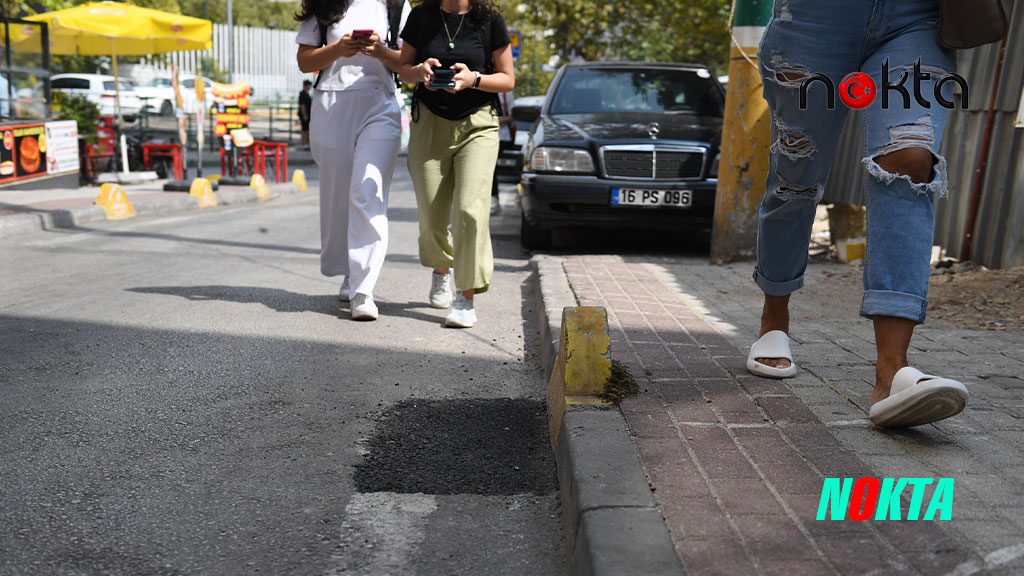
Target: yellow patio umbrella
118 29
115 28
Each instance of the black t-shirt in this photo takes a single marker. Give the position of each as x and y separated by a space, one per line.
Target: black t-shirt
425 31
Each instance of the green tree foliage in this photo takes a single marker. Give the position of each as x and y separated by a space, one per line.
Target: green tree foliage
79 109
664 31
258 14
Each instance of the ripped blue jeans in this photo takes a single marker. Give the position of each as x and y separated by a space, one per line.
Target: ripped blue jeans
809 37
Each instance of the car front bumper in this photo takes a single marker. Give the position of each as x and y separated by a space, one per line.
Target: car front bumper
557 200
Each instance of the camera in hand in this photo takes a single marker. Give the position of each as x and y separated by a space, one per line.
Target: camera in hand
443 78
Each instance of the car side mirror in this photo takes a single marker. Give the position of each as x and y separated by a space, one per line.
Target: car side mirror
525 114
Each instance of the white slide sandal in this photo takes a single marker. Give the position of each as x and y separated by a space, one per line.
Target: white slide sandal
917 398
774 344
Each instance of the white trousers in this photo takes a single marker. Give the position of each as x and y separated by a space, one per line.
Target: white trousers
354 136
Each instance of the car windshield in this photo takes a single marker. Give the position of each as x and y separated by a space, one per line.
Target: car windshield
597 90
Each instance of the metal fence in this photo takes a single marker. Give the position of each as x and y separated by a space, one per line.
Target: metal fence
262 57
998 235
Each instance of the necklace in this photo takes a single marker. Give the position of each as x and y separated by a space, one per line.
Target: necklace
451 39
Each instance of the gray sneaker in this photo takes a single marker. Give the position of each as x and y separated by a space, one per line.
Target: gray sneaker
440 290
462 315
344 290
363 308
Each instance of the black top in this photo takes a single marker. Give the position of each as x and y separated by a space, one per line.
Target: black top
425 32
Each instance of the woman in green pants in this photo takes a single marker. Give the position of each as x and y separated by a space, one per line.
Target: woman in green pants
453 144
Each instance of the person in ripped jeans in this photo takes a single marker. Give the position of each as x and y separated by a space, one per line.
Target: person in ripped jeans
905 175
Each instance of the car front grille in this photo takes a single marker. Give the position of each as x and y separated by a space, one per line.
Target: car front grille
653 163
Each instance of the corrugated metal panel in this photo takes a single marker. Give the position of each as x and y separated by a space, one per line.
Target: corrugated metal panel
999 231
998 240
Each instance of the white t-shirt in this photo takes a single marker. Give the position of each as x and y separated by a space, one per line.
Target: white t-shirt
359 72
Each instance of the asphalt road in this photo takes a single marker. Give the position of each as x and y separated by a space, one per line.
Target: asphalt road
185 395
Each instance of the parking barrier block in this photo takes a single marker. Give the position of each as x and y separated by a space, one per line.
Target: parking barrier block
114 201
259 183
203 192
583 366
299 177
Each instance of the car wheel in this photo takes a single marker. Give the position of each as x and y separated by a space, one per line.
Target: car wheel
532 237
166 108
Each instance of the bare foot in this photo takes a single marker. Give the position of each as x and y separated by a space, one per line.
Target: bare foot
774 316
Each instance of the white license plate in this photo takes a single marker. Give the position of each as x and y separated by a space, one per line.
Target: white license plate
644 197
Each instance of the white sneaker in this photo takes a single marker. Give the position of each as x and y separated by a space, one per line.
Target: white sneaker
495 205
343 291
462 315
440 290
363 308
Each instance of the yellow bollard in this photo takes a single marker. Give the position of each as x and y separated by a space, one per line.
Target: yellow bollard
299 177
260 184
203 192
114 201
583 366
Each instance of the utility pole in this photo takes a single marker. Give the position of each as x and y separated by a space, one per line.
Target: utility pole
746 138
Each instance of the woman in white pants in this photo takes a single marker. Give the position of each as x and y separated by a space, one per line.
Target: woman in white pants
355 132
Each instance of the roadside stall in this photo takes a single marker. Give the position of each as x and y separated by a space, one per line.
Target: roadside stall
34 152
116 29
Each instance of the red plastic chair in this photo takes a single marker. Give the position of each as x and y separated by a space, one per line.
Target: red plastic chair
172 151
276 151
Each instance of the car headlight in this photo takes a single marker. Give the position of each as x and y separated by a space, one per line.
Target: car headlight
548 159
713 173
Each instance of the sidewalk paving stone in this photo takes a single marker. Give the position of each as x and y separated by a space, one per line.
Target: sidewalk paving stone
737 462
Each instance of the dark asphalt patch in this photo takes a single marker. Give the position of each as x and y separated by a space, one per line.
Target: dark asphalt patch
486 447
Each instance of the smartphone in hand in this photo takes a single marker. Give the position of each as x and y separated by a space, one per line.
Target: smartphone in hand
444 78
361 34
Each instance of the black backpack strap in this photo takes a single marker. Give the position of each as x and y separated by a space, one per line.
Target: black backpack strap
323 42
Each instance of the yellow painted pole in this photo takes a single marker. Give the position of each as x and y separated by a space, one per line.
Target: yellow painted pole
746 137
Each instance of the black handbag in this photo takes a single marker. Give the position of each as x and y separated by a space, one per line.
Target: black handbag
970 23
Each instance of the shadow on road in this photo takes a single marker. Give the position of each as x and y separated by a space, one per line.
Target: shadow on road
273 298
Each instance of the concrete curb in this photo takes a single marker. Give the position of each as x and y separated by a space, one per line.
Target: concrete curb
612 522
27 223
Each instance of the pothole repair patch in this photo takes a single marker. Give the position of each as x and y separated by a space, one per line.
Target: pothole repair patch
480 446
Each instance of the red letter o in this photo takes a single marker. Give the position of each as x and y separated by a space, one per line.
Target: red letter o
864 490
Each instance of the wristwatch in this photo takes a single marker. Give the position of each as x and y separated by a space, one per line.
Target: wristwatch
476 83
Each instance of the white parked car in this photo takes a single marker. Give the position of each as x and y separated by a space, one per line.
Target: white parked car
159 97
100 90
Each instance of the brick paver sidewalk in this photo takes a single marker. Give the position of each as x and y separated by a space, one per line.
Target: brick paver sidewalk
737 462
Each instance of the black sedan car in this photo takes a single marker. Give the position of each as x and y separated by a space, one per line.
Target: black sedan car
625 145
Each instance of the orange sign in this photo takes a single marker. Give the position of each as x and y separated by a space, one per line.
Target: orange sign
232 107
